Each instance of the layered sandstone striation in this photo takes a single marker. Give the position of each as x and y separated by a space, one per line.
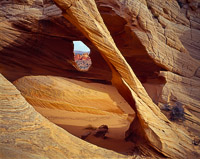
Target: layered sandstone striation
72 95
80 107
75 96
149 43
181 89
155 127
34 40
26 134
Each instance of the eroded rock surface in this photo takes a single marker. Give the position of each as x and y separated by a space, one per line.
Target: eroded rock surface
183 89
124 79
151 35
140 36
26 134
34 41
96 104
44 91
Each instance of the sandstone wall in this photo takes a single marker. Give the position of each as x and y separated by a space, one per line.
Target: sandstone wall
26 134
144 37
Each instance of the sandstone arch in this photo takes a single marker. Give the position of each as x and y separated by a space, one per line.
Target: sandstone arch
157 129
21 36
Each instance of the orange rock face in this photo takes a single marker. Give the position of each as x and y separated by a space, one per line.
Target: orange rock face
35 42
71 95
26 134
149 43
76 105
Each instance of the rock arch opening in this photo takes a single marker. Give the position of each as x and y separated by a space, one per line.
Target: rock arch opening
149 122
82 58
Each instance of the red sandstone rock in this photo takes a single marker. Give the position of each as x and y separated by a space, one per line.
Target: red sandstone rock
150 35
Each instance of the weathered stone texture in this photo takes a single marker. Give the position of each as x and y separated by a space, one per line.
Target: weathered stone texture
26 134
132 43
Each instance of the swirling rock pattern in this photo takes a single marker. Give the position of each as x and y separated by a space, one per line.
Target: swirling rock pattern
124 79
26 134
144 37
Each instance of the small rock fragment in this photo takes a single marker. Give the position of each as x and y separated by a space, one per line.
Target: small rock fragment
85 135
101 131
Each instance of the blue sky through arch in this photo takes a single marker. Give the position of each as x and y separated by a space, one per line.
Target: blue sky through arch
80 46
